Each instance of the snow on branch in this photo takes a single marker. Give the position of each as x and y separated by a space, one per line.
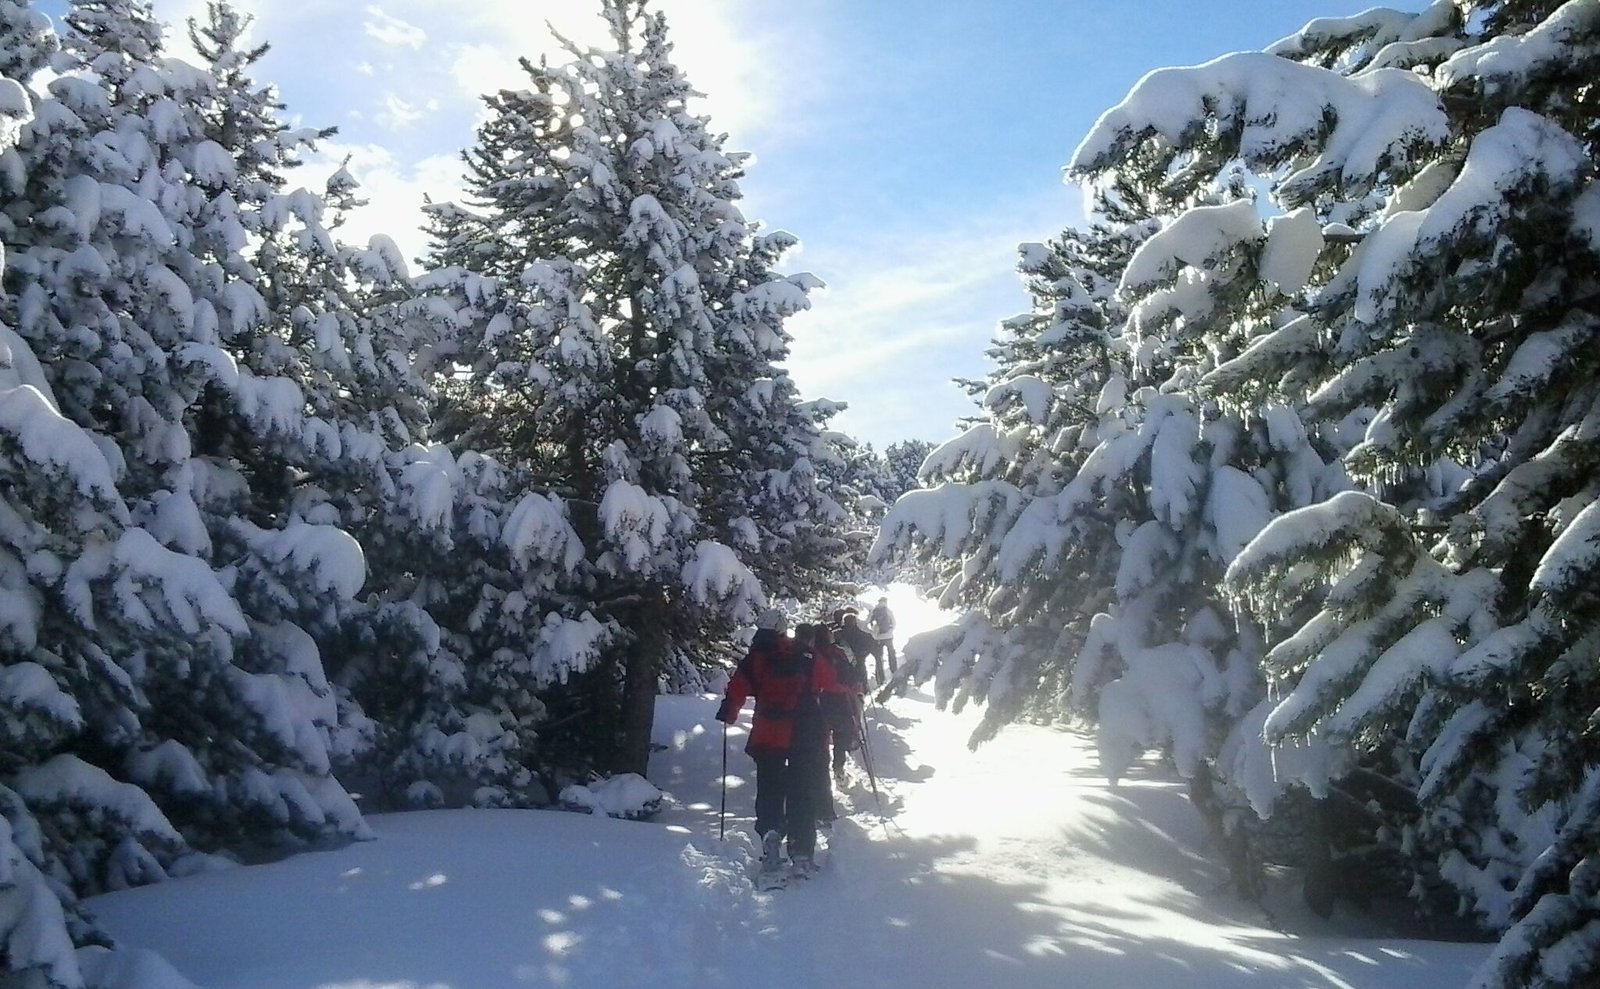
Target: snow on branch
1572 561
1524 154
1363 670
1374 38
1034 539
569 645
1264 771
288 710
1264 358
1426 650
1238 508
634 520
1370 381
1542 356
1160 700
1438 763
948 516
69 781
1506 61
1507 509
28 687
715 575
33 927
1586 217
538 529
49 439
1294 242
429 481
1199 238
331 557
1349 518
944 654
15 110
144 573
978 449
1270 112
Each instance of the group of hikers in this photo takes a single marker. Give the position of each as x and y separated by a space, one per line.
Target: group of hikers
808 690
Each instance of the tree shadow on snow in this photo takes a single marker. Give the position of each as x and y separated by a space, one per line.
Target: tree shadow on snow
891 755
891 911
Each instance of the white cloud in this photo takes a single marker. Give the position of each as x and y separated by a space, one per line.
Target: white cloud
904 313
397 114
389 30
480 68
394 190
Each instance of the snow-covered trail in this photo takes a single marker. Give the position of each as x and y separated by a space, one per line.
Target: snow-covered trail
1013 866
1019 865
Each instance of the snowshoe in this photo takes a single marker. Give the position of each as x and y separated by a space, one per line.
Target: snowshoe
773 875
772 879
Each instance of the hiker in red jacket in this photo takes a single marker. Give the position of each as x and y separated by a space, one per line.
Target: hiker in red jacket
788 737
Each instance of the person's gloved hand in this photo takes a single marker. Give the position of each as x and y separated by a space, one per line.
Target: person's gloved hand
727 713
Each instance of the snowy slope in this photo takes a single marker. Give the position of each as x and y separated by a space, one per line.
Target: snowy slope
1014 866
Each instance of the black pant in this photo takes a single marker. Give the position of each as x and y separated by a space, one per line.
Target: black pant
844 727
879 647
787 793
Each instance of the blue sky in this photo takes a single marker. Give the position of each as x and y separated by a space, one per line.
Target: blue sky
911 145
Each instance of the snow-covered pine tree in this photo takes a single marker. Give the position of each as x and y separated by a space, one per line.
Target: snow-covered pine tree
193 695
763 495
521 637
306 429
623 333
52 473
1443 166
854 476
416 715
1030 571
1113 488
902 463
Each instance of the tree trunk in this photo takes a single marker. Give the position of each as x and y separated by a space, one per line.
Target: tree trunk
642 670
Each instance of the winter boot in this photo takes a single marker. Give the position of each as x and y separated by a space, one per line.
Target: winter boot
802 866
771 851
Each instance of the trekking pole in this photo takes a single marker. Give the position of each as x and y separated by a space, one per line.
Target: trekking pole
722 817
866 760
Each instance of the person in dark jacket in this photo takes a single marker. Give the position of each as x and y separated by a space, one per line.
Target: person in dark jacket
843 706
810 638
859 641
788 737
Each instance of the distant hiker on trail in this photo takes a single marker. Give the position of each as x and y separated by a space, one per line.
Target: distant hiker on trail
788 738
881 623
843 706
859 641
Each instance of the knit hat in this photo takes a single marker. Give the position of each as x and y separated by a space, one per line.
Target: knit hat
773 618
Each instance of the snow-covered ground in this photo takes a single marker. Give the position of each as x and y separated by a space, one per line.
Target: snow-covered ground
1012 866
